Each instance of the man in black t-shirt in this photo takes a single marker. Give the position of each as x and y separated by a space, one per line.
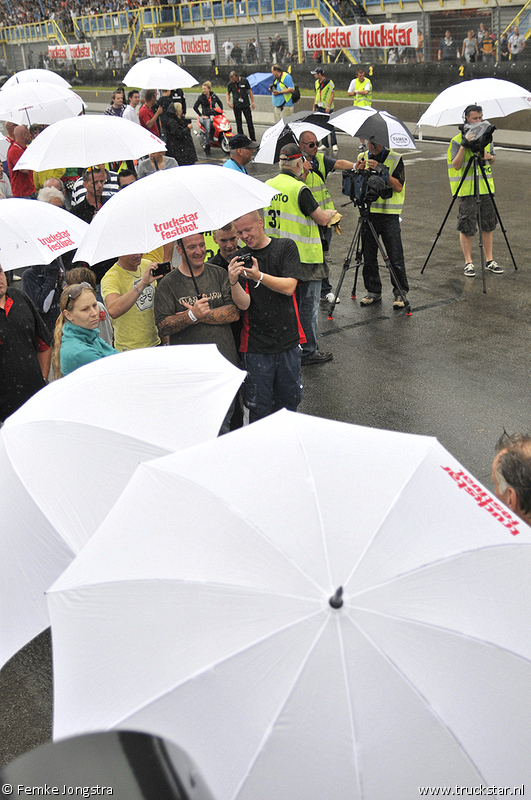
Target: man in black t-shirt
25 352
270 342
241 102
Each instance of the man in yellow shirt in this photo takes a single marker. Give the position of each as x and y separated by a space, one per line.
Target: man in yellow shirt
129 294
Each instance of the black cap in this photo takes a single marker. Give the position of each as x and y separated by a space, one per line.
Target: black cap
241 140
290 151
319 70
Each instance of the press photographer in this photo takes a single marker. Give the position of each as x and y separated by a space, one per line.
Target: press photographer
386 181
474 138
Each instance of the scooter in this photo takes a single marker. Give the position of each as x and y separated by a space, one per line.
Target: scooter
220 132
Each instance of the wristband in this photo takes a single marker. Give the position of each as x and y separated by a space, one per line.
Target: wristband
137 289
234 284
260 280
191 315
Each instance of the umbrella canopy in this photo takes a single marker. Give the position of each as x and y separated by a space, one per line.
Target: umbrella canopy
207 618
159 73
28 103
36 233
170 204
260 82
289 130
4 147
88 140
36 76
498 98
68 453
368 123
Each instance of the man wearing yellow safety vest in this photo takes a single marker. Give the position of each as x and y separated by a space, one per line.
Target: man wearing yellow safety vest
316 168
296 215
281 90
385 217
324 102
457 159
361 90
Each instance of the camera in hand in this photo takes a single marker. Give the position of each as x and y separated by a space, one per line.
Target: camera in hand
476 137
367 185
247 259
162 269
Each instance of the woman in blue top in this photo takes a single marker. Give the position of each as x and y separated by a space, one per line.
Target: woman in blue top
77 339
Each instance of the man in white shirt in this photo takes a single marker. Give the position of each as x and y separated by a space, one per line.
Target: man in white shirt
131 110
516 44
228 47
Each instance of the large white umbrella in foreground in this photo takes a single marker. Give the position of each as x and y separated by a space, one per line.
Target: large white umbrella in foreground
67 454
28 103
497 97
36 76
36 233
369 123
206 617
88 140
158 73
168 205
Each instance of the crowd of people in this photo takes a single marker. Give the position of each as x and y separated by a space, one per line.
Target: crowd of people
257 297
482 45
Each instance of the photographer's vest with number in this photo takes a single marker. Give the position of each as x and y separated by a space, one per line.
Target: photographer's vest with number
283 218
315 181
362 86
323 94
280 86
455 175
396 202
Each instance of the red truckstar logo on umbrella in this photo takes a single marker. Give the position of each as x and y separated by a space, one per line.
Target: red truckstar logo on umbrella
175 227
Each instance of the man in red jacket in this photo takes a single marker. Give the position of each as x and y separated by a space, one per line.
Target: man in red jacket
21 179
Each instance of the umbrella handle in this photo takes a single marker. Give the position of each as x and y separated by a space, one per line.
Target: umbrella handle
336 601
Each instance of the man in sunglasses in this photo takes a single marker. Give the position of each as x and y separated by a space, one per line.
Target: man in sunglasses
315 170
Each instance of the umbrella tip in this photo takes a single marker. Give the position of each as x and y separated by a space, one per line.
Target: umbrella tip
337 600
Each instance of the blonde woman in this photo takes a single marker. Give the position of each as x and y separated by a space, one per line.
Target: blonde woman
77 340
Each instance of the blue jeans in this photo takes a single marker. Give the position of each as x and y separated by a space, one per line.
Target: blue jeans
308 297
273 381
387 227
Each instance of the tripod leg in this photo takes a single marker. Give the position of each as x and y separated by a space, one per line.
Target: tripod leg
392 271
447 215
498 215
480 229
346 267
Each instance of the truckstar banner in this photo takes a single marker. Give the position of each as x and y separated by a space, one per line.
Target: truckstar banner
181 45
70 51
354 37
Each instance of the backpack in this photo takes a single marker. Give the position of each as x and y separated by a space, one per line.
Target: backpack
296 94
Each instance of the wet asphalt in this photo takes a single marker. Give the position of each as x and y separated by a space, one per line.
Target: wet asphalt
456 369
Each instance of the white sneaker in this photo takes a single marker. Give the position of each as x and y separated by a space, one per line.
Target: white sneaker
321 147
331 297
335 148
470 270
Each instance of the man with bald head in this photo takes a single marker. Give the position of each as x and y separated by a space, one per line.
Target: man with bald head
263 288
21 179
511 473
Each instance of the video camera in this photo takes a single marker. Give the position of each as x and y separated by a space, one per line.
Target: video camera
477 136
366 186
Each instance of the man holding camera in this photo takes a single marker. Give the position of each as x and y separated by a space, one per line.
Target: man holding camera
385 216
128 292
460 151
263 279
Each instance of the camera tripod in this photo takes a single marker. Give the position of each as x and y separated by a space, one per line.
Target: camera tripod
365 225
476 160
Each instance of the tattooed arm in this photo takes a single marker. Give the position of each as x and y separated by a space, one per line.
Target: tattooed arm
202 312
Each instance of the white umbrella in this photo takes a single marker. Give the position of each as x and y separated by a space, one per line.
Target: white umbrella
498 98
158 73
36 76
168 205
4 147
36 233
67 454
206 618
368 122
28 103
88 140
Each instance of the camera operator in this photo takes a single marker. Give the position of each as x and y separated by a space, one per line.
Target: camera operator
460 151
385 217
